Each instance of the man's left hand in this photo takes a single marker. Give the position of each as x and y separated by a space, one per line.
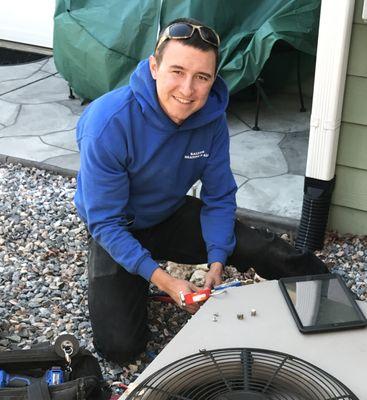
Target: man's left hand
214 276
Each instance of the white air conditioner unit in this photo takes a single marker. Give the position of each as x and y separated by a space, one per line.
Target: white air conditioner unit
262 357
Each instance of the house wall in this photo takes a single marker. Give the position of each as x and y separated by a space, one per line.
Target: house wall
29 22
348 213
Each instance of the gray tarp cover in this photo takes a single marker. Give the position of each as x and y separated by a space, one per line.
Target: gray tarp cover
97 44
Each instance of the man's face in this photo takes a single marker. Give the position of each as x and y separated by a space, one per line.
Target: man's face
184 79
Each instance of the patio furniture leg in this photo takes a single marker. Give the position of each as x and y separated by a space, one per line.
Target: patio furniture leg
256 126
302 109
71 94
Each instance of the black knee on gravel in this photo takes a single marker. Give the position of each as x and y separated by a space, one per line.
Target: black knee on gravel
121 351
271 256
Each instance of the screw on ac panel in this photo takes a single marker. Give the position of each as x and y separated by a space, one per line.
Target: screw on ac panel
240 316
253 313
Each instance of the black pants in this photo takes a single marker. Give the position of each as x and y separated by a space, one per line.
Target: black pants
118 299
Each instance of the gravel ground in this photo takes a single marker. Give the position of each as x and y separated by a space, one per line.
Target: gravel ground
43 275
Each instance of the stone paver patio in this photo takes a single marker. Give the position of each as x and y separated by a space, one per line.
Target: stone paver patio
37 125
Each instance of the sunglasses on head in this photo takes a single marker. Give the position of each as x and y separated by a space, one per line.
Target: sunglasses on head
184 30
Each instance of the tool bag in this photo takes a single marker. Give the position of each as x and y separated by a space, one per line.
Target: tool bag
81 373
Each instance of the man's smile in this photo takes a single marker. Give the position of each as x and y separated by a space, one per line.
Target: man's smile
182 100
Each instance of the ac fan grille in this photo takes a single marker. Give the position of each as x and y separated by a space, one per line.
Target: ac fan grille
246 374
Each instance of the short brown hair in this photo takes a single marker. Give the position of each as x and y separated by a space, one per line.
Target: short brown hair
194 41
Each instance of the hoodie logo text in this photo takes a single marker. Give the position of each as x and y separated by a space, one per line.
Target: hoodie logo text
196 154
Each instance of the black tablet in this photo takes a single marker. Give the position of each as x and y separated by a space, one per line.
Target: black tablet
321 303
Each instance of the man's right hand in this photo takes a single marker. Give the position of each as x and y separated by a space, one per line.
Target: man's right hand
173 287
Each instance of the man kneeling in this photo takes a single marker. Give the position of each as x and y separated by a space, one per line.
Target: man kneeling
142 148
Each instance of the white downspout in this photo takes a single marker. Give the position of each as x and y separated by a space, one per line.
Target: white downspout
331 66
335 28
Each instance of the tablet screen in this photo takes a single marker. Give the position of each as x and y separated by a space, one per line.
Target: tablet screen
323 302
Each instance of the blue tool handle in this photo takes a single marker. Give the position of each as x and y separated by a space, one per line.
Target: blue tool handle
18 381
9 380
3 378
227 285
53 376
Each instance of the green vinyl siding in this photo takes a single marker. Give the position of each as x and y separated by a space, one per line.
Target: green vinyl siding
353 146
348 212
351 188
348 220
357 53
355 100
358 12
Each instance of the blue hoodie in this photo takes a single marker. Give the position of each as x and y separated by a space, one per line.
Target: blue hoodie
137 166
